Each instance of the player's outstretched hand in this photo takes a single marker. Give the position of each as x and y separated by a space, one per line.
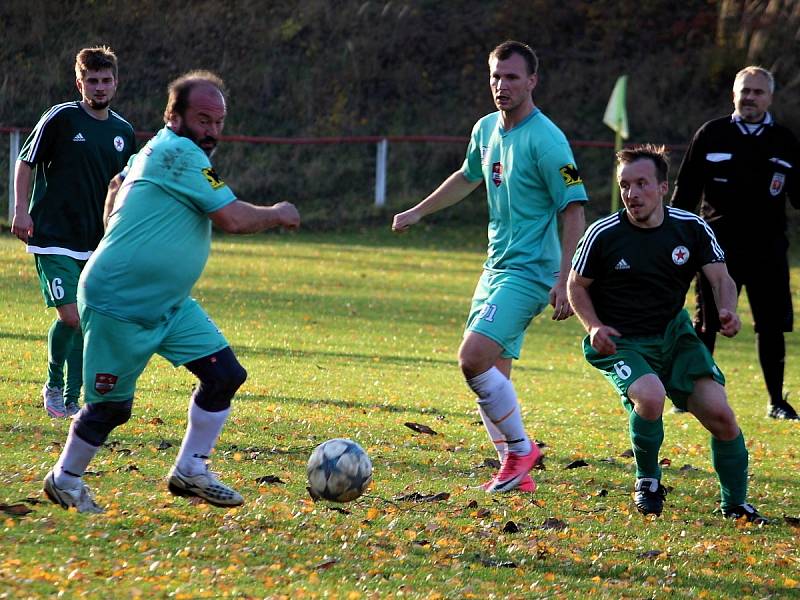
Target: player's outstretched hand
288 215
402 221
729 323
562 309
22 226
600 338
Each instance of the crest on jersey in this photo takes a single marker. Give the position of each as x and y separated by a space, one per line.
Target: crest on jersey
570 175
680 255
119 144
776 185
497 174
104 383
214 179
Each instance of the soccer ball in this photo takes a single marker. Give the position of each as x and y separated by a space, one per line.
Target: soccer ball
338 470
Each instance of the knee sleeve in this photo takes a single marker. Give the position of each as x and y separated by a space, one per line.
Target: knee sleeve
220 375
96 421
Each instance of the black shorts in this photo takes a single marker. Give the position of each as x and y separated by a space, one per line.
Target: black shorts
767 285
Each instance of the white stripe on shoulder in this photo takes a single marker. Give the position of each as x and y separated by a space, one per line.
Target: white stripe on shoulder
120 117
589 238
38 131
685 215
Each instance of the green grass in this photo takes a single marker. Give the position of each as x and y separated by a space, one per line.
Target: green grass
353 335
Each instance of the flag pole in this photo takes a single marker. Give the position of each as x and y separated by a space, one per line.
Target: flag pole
614 186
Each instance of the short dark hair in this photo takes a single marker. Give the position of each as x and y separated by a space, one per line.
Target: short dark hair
509 47
659 155
95 59
178 90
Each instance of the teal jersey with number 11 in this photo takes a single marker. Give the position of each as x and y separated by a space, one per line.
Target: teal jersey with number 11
530 176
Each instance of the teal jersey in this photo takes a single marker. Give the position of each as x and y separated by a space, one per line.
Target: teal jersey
530 177
73 157
159 234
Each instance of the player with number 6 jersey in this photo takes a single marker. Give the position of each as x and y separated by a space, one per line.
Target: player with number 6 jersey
68 160
628 284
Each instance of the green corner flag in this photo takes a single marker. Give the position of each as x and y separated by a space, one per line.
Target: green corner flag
616 117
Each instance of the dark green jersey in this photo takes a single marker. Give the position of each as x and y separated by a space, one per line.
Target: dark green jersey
73 156
641 275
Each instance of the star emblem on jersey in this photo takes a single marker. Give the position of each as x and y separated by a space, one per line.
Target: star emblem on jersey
79 138
119 144
497 174
680 255
776 185
104 383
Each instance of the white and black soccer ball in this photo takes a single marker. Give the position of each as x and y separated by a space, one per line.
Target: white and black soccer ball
338 470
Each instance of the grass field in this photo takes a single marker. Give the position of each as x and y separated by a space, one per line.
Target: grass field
353 336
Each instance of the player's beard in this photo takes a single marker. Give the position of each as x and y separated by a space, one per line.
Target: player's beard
97 105
184 131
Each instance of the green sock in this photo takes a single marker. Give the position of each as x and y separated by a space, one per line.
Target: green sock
59 344
646 439
72 391
730 460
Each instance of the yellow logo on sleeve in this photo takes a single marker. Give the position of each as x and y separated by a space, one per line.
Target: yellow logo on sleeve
570 175
214 179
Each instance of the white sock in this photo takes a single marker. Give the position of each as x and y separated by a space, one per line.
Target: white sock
75 457
495 435
498 400
202 432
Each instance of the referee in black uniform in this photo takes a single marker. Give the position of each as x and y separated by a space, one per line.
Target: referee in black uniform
739 170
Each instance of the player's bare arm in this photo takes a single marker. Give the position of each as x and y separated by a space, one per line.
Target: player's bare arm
111 197
243 217
600 335
725 296
453 190
22 224
573 222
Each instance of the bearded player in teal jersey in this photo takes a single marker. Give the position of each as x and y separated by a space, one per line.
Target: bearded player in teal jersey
68 160
134 295
530 176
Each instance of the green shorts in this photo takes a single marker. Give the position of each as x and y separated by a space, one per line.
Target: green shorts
116 352
502 308
58 278
678 359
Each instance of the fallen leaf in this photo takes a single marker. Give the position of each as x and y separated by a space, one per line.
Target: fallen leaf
492 463
627 453
417 497
577 463
665 461
15 509
489 561
343 511
553 523
269 479
163 445
649 554
472 504
511 527
793 521
688 467
156 421
419 428
483 512
326 564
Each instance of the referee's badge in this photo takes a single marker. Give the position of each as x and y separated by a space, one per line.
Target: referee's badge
680 255
776 185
